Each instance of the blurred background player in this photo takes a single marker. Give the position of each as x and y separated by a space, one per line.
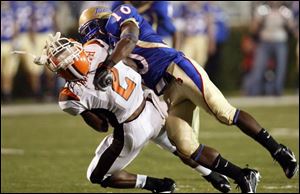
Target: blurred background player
198 31
269 24
198 42
9 63
221 34
248 47
33 21
44 23
26 41
159 15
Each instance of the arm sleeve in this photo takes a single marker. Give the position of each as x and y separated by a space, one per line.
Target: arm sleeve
120 15
72 107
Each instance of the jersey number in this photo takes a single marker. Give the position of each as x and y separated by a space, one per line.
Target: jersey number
123 9
124 92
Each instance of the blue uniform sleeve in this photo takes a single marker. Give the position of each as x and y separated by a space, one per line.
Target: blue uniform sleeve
120 15
165 24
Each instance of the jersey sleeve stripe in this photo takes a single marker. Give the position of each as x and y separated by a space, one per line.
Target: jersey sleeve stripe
66 94
131 20
144 44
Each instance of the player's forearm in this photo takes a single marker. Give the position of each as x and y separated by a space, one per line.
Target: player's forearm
122 50
99 124
128 41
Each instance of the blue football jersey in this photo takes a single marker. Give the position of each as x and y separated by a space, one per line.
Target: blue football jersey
159 14
220 21
151 54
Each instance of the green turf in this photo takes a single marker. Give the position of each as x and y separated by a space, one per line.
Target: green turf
58 149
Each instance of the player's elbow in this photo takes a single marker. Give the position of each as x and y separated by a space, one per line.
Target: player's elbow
97 121
130 40
103 127
126 46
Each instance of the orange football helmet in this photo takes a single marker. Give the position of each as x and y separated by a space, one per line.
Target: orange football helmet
68 59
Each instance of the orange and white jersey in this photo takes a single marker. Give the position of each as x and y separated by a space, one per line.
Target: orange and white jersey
122 98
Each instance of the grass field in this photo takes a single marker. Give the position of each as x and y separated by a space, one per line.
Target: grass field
51 152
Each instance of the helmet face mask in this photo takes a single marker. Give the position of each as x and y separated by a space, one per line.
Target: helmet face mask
68 59
93 29
92 22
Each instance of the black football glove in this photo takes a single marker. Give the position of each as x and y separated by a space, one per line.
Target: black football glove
103 77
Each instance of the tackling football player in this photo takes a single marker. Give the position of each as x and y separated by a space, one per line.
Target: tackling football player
184 85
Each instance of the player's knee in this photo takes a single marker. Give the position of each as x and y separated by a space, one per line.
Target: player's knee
101 180
223 119
105 182
93 178
186 149
186 160
226 116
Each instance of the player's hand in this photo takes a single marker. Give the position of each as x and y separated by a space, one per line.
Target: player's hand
41 60
51 39
55 37
103 78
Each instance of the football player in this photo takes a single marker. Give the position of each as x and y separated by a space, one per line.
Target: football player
27 41
124 105
44 22
184 84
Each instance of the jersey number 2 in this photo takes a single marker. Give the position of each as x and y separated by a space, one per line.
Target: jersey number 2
124 92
